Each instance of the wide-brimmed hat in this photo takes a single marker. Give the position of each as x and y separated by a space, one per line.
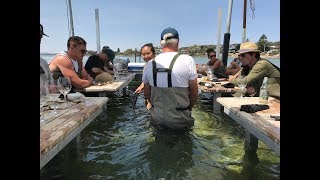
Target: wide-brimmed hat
103 77
248 47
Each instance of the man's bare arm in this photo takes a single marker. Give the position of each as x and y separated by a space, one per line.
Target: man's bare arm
67 69
193 88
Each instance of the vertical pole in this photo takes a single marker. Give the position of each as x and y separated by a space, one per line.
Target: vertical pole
219 33
135 55
229 15
226 39
71 30
97 29
244 24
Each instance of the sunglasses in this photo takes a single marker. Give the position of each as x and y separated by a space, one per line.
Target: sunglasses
211 56
83 51
242 55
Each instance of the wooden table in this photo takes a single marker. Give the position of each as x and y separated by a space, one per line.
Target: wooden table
110 87
216 91
259 125
66 125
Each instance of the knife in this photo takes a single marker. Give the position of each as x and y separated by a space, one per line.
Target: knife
134 100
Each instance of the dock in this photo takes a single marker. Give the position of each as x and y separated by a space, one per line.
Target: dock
114 86
67 124
259 125
217 89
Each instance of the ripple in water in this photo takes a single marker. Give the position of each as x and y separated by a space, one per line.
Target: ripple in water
120 144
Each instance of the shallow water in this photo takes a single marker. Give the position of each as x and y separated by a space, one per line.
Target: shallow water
120 144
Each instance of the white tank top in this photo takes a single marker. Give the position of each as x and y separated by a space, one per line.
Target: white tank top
74 62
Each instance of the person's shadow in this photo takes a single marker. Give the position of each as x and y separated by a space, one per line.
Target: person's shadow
170 155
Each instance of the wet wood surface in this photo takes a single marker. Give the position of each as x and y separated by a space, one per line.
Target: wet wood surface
216 89
67 124
111 87
260 124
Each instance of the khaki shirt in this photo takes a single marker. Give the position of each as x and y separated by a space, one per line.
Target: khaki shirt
262 68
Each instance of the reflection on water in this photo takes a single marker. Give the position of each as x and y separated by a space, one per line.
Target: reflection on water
120 144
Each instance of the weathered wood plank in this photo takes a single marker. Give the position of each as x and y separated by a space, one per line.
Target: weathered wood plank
260 124
216 91
111 87
56 134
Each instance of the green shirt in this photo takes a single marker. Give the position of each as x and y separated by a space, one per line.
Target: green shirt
256 74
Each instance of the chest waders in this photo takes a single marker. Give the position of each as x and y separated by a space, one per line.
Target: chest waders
170 105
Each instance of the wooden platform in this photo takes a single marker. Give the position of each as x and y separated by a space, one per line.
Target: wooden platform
258 124
110 87
216 91
66 125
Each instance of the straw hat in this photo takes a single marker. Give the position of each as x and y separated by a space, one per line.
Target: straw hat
248 47
103 77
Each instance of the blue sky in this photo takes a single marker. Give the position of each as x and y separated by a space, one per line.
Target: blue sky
128 24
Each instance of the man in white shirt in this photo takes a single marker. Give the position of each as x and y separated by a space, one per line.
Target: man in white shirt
171 85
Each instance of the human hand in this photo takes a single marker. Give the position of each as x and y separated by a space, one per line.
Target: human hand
52 88
149 105
138 90
231 77
90 79
251 91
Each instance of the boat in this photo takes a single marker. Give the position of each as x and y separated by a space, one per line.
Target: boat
136 67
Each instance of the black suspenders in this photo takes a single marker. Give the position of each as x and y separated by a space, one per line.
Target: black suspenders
155 70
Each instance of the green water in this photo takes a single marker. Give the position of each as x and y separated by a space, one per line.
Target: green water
120 144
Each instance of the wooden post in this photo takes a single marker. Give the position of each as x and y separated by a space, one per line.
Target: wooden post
251 142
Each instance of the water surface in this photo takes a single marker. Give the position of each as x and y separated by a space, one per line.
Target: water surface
120 144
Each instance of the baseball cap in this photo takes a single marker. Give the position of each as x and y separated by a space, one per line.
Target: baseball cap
41 30
169 33
108 52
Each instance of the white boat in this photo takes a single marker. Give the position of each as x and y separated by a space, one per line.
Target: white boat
136 67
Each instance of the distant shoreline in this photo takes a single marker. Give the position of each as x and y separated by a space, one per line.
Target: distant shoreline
265 56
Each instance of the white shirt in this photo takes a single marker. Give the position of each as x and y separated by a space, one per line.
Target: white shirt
183 71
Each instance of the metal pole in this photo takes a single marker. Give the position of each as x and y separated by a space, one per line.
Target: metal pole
71 30
135 55
226 39
97 30
244 24
219 33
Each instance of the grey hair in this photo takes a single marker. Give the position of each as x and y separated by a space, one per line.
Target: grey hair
167 42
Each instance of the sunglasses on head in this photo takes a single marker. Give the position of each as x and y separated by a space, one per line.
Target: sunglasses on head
211 56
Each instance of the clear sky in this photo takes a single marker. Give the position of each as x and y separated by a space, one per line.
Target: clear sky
128 24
